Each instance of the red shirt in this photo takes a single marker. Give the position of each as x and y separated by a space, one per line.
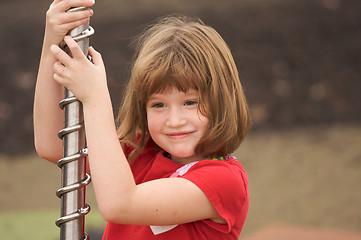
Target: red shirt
224 182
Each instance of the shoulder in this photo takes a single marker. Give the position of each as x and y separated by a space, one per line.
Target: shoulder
222 175
230 167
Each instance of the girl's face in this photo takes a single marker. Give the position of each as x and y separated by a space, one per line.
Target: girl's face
176 124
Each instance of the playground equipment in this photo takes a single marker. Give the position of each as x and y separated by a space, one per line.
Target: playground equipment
73 163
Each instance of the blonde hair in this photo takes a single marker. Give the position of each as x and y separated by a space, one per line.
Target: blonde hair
184 53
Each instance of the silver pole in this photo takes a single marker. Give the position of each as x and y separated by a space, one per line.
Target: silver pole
73 163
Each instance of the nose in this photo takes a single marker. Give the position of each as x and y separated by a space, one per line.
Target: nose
176 118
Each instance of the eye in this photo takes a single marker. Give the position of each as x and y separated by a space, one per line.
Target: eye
158 105
190 103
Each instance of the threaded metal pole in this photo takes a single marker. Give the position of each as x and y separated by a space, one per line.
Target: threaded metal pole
73 163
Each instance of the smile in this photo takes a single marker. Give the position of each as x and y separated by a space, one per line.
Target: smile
178 135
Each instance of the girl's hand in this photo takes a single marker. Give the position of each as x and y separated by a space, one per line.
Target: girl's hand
85 79
59 22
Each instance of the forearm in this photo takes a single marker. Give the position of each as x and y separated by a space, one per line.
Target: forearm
48 117
109 167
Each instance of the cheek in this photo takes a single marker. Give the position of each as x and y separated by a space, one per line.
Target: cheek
203 121
152 122
149 121
204 124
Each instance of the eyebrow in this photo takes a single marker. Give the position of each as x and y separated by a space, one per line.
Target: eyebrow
153 96
191 92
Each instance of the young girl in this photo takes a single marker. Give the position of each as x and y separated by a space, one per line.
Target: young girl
165 172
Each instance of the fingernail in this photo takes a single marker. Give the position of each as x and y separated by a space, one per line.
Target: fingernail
52 47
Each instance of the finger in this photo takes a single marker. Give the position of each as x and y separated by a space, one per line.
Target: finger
55 2
74 48
77 15
67 4
58 78
59 54
59 68
96 57
71 25
65 16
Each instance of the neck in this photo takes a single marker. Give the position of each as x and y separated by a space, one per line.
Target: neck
184 160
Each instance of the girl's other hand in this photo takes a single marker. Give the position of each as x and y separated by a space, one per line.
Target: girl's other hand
85 79
59 22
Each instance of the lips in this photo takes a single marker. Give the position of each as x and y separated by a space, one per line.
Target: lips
179 135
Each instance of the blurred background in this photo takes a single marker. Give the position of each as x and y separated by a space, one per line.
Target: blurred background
299 63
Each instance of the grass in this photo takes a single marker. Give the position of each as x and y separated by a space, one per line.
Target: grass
39 224
28 225
303 176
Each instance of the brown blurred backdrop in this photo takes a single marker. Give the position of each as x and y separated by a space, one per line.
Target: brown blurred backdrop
299 60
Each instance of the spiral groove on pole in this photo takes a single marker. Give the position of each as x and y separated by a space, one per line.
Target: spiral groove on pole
73 163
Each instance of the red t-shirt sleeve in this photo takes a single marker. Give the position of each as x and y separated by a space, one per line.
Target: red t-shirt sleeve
225 183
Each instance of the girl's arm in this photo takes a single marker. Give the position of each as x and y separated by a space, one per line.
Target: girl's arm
120 200
47 114
48 117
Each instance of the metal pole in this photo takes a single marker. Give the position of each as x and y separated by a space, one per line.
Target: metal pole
73 163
